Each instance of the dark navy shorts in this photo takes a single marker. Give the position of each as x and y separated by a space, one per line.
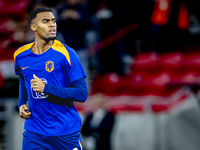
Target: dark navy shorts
34 141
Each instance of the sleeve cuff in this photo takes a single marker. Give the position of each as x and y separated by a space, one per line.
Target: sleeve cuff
47 88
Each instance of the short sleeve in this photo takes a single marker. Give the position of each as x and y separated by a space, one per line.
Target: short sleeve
74 68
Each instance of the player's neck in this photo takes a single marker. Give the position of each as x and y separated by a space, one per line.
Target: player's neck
41 46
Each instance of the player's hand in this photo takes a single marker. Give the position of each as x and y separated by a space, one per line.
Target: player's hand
37 84
23 111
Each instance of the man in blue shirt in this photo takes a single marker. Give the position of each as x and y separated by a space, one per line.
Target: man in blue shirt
51 78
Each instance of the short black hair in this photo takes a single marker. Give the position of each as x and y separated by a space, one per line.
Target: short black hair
36 11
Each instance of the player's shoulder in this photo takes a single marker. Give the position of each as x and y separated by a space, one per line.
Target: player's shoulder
22 49
64 49
61 47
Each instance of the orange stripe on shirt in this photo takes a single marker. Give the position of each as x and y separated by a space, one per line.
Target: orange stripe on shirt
58 46
22 49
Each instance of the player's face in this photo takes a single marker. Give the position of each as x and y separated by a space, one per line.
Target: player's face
45 25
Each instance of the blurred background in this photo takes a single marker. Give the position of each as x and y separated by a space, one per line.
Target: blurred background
142 59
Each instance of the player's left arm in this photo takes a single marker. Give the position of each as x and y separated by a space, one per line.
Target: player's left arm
78 90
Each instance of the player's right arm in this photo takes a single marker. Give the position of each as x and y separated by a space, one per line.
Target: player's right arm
23 94
23 97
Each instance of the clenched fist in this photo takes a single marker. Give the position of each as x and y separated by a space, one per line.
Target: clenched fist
23 111
37 84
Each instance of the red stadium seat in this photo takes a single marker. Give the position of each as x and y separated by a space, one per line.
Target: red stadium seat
5 42
144 83
193 61
108 84
173 61
13 7
2 4
187 78
133 84
157 84
7 26
146 60
8 53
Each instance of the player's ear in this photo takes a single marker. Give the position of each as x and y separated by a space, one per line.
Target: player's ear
33 27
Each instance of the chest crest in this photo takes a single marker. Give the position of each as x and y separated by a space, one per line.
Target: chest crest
49 65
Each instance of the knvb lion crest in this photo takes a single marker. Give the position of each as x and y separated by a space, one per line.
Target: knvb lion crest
49 66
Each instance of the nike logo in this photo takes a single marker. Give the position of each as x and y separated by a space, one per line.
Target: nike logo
24 67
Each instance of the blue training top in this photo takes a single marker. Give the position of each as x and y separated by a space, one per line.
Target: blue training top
53 112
